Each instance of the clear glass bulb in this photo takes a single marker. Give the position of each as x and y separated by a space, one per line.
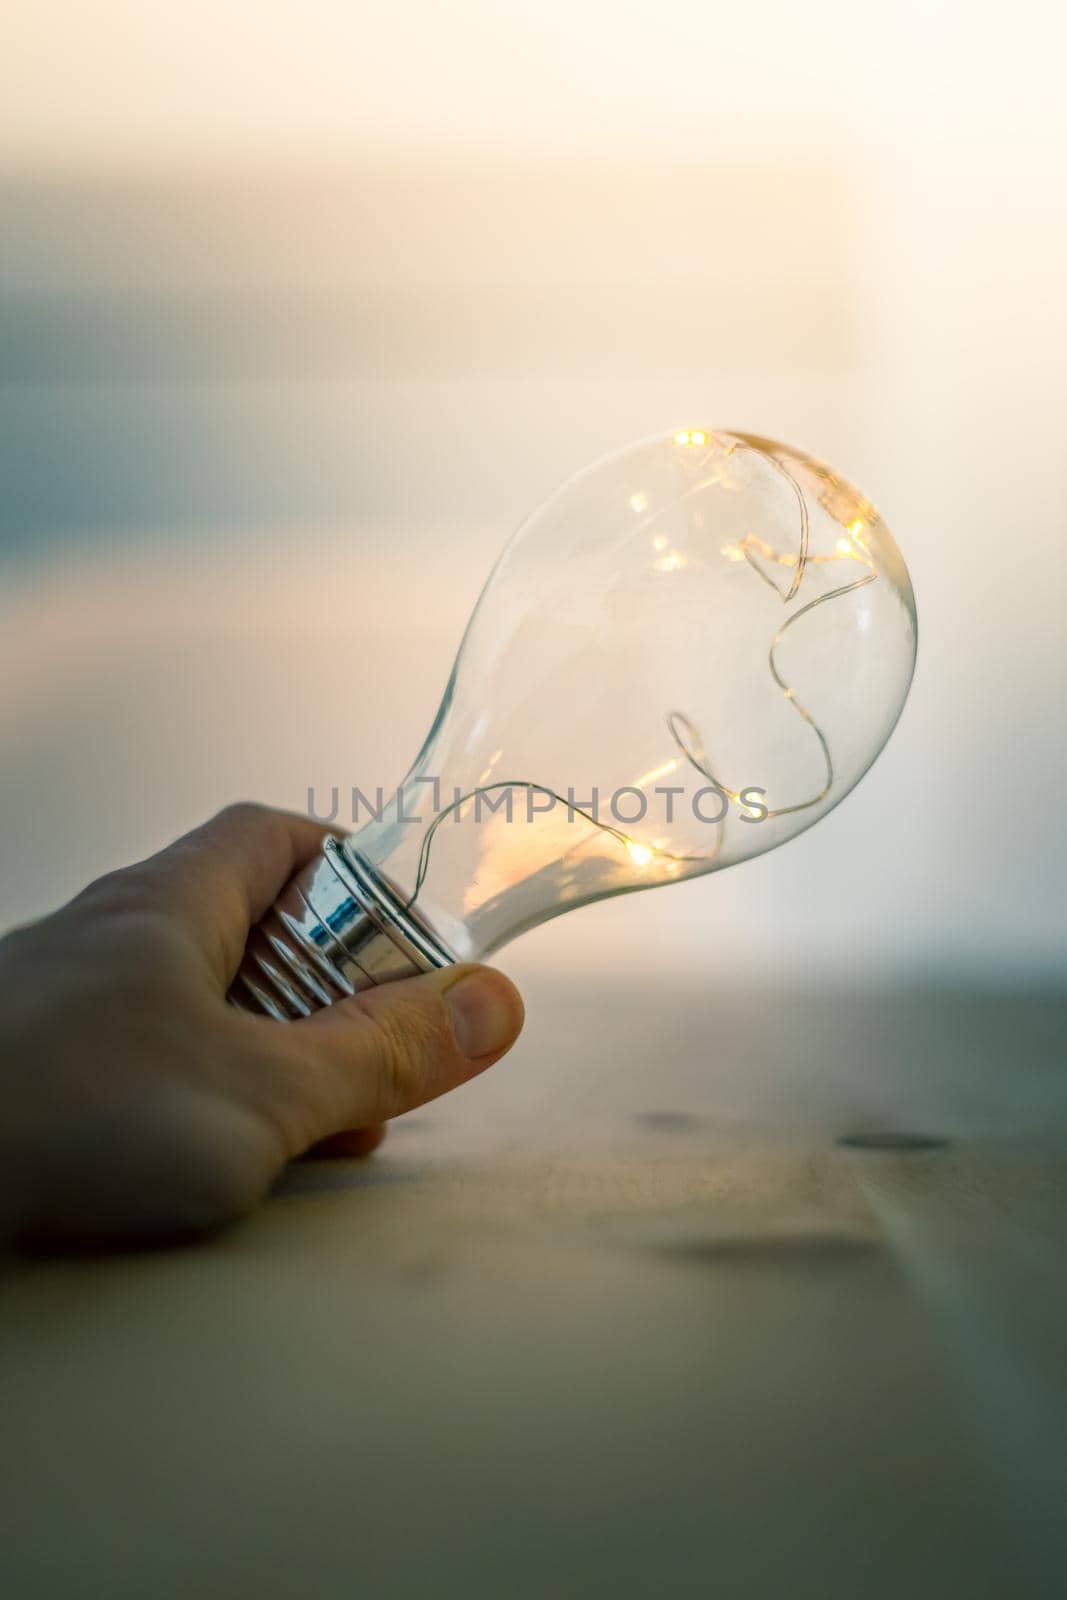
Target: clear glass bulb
690 653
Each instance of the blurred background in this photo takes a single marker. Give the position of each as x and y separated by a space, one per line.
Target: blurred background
303 308
748 1262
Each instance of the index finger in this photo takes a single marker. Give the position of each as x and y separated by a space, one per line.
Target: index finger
221 878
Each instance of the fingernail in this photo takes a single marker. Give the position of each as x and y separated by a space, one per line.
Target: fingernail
483 1015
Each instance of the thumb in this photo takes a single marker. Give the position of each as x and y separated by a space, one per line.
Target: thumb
384 1051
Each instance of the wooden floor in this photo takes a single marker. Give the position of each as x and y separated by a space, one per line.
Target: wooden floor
696 1294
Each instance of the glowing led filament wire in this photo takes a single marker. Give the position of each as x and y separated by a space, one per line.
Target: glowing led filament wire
682 730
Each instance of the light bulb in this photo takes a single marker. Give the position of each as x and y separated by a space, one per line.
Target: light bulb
689 654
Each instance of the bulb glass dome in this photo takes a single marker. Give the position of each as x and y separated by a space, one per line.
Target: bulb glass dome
689 654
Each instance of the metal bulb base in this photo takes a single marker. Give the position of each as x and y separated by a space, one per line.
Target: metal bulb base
335 930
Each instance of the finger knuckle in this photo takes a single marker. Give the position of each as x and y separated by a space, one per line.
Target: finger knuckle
113 890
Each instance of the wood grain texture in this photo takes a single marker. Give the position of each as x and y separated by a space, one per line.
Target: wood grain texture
614 1321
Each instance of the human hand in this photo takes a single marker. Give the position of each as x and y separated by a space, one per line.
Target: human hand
139 1105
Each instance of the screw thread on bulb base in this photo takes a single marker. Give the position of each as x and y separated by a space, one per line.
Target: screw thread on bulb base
335 929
